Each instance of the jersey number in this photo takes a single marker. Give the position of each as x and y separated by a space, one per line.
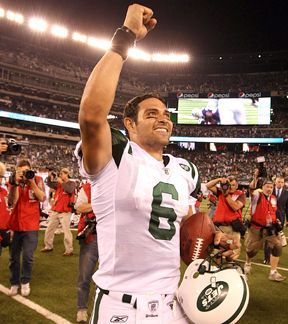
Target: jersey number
164 212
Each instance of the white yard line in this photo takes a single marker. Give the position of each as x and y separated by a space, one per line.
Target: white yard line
265 265
39 309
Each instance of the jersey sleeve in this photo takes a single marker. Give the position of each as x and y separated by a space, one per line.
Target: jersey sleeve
119 142
196 180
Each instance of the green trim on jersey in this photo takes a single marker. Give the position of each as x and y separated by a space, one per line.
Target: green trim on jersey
119 142
193 174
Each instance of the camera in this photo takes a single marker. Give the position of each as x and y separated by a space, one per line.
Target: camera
274 228
13 148
261 167
29 174
239 226
225 185
5 236
90 228
53 174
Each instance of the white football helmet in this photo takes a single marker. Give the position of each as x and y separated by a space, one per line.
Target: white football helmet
213 295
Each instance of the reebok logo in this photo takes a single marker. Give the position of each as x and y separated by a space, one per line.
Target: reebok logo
119 319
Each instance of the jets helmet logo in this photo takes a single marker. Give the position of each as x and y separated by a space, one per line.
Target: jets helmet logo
212 296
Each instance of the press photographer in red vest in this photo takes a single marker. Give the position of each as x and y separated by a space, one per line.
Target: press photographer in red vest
264 226
62 206
4 212
228 213
26 193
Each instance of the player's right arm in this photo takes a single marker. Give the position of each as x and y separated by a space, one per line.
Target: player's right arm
99 93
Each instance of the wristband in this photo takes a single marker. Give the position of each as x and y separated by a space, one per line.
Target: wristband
123 39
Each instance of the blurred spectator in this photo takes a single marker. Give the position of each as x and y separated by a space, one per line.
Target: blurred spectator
61 211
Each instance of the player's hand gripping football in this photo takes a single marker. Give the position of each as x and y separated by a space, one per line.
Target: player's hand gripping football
139 19
227 245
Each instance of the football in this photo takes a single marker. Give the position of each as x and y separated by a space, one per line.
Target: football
196 234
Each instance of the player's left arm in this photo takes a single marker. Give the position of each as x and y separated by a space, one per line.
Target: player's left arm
227 244
190 213
193 195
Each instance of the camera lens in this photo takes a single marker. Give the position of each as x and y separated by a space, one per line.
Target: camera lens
29 174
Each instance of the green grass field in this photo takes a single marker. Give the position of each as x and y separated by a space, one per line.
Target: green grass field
54 280
186 107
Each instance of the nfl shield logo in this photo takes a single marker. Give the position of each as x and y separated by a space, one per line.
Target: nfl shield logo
153 305
166 170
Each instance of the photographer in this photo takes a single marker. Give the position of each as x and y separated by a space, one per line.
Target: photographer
88 249
264 226
61 211
26 193
9 147
4 212
3 145
228 213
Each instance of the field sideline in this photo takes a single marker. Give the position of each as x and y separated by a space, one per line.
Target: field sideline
54 280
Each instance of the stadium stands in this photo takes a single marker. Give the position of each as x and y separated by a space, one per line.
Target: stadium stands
42 78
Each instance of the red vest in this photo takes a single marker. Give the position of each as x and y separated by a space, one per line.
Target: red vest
82 224
4 213
266 208
224 213
62 200
26 213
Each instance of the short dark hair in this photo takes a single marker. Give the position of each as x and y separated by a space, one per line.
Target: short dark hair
131 108
232 178
267 181
22 163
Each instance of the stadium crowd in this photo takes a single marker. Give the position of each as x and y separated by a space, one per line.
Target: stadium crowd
71 67
50 148
41 108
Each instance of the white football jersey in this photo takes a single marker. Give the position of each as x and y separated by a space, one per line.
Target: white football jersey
139 204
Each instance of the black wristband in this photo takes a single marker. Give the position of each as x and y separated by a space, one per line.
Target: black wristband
122 40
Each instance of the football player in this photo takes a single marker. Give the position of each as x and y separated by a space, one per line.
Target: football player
139 195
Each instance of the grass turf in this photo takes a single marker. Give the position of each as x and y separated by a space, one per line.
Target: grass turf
54 281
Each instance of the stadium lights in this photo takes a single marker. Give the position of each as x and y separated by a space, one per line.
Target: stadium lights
138 54
59 31
2 13
170 58
40 25
15 17
37 24
79 37
99 43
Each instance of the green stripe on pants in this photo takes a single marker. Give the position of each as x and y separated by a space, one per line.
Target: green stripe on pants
95 314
